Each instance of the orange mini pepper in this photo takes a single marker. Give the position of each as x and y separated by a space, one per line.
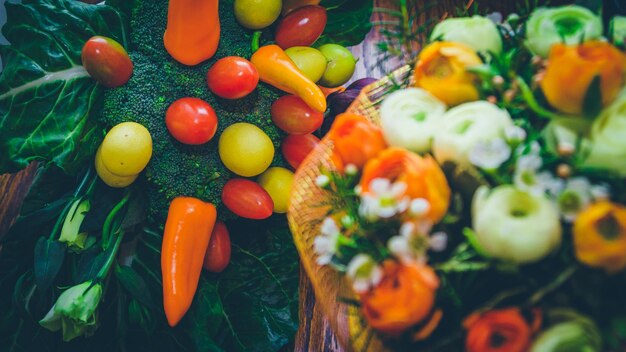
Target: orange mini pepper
193 30
277 69
186 237
356 139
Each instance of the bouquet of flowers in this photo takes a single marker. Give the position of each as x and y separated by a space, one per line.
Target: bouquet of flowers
476 199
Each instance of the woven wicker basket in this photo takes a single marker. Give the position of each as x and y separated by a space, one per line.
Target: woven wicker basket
305 215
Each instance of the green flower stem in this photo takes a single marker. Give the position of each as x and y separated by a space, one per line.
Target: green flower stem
256 37
89 181
111 259
108 223
528 96
553 285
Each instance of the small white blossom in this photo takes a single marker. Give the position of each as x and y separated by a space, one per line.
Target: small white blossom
514 134
384 200
347 221
351 170
364 272
489 155
575 197
419 207
327 243
322 181
438 241
358 189
411 244
528 178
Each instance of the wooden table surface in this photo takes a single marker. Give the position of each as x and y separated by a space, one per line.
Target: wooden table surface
314 333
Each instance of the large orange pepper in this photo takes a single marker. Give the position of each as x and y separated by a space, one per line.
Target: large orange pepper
193 30
276 69
187 234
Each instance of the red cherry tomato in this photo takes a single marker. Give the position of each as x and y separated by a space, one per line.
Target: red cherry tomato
232 77
301 27
106 61
296 147
247 199
217 254
292 115
191 121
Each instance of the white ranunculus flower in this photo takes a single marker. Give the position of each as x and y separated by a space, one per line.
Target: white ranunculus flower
477 32
565 24
607 149
515 226
463 127
409 118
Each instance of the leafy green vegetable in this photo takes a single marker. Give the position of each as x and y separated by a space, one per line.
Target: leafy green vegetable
46 96
348 22
49 256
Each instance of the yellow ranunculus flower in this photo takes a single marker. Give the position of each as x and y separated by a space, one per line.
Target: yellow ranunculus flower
600 236
571 69
441 69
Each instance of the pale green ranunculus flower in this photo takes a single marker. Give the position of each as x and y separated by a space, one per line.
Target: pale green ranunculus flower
513 225
75 311
618 30
465 126
607 148
564 24
477 32
569 331
409 118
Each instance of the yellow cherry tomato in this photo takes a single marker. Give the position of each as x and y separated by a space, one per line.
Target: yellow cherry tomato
245 149
277 182
111 179
126 149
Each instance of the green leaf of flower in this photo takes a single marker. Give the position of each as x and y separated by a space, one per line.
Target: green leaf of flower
49 256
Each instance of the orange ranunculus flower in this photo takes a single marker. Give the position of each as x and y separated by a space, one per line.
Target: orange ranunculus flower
503 330
403 298
600 236
441 69
422 175
571 69
356 139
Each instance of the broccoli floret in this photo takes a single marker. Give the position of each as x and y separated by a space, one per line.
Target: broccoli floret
157 81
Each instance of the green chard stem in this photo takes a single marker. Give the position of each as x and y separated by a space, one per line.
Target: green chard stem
111 258
107 231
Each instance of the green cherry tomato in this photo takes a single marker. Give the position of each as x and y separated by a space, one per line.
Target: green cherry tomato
309 60
341 65
245 149
107 61
191 121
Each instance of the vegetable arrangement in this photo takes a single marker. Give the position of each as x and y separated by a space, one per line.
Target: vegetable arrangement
481 206
149 124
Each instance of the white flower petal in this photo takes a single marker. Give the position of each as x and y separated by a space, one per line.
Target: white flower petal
419 206
438 241
398 189
380 185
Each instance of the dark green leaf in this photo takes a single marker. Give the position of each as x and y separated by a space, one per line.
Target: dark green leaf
46 96
141 316
49 256
90 263
134 284
259 289
205 316
348 22
592 104
23 293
